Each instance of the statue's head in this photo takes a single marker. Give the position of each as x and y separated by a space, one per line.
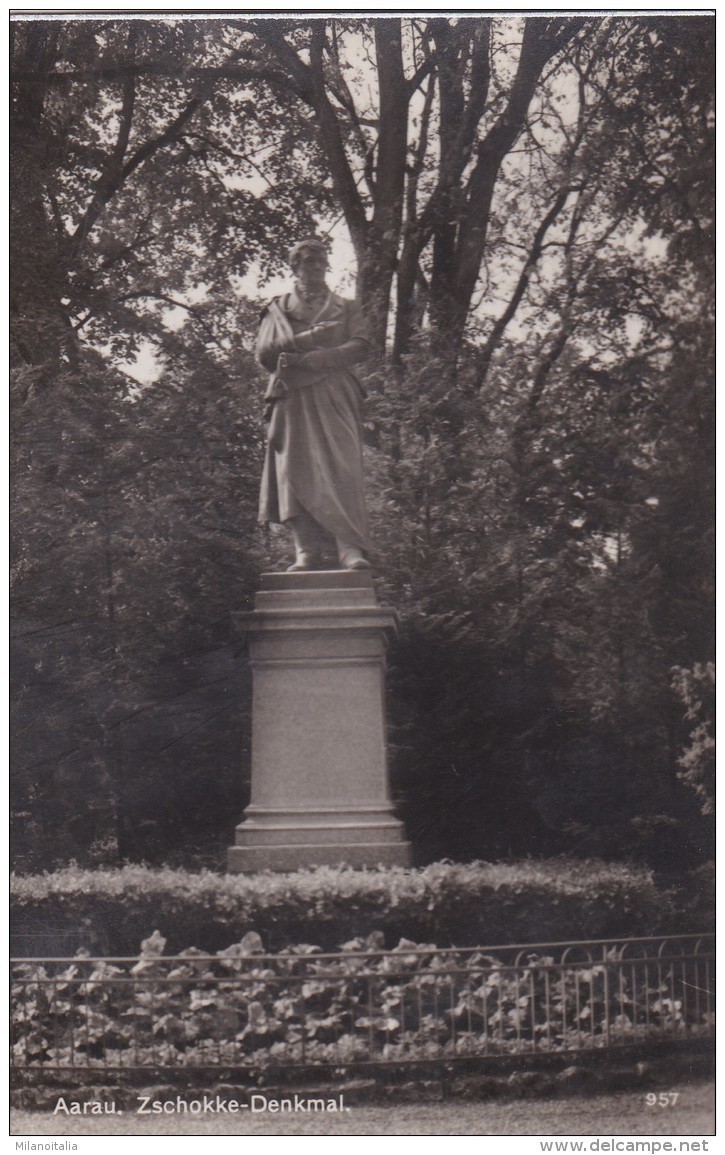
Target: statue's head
308 261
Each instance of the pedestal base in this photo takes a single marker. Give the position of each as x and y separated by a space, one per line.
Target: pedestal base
277 839
359 855
319 766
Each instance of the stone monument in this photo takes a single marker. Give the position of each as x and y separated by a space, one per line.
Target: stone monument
320 792
317 635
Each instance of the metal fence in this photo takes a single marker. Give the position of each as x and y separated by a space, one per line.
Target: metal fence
306 1008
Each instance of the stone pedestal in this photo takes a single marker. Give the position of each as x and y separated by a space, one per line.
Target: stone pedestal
320 792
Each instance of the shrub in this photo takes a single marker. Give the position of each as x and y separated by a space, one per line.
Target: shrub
449 904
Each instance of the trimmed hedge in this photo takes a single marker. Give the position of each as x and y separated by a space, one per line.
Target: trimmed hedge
449 904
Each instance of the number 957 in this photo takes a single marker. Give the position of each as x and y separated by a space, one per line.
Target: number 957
663 1099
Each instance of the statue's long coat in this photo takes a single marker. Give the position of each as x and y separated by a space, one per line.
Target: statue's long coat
314 444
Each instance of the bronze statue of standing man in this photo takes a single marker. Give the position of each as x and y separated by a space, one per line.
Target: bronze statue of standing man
309 340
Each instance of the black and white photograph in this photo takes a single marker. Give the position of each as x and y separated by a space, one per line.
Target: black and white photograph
362 488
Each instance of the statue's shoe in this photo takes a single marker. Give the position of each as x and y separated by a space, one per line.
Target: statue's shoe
353 559
304 561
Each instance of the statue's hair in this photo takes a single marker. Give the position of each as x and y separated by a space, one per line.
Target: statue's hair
307 243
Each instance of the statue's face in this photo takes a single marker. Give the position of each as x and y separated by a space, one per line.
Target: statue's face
310 268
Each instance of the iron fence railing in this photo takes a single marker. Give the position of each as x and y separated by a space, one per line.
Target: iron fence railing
303 1007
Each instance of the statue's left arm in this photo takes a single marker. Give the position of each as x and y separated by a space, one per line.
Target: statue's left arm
351 349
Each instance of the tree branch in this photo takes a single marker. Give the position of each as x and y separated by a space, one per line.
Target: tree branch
535 252
158 296
331 136
113 179
541 41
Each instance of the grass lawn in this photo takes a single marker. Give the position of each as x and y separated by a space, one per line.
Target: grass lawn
623 1113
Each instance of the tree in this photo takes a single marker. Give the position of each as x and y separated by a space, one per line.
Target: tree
137 177
134 518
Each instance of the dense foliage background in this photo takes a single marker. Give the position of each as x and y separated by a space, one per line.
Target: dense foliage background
529 204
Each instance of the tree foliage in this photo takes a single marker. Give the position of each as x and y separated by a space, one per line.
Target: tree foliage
528 203
696 688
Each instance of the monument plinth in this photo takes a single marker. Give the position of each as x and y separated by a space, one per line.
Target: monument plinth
320 793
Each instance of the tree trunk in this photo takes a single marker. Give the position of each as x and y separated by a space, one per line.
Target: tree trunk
40 329
380 258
